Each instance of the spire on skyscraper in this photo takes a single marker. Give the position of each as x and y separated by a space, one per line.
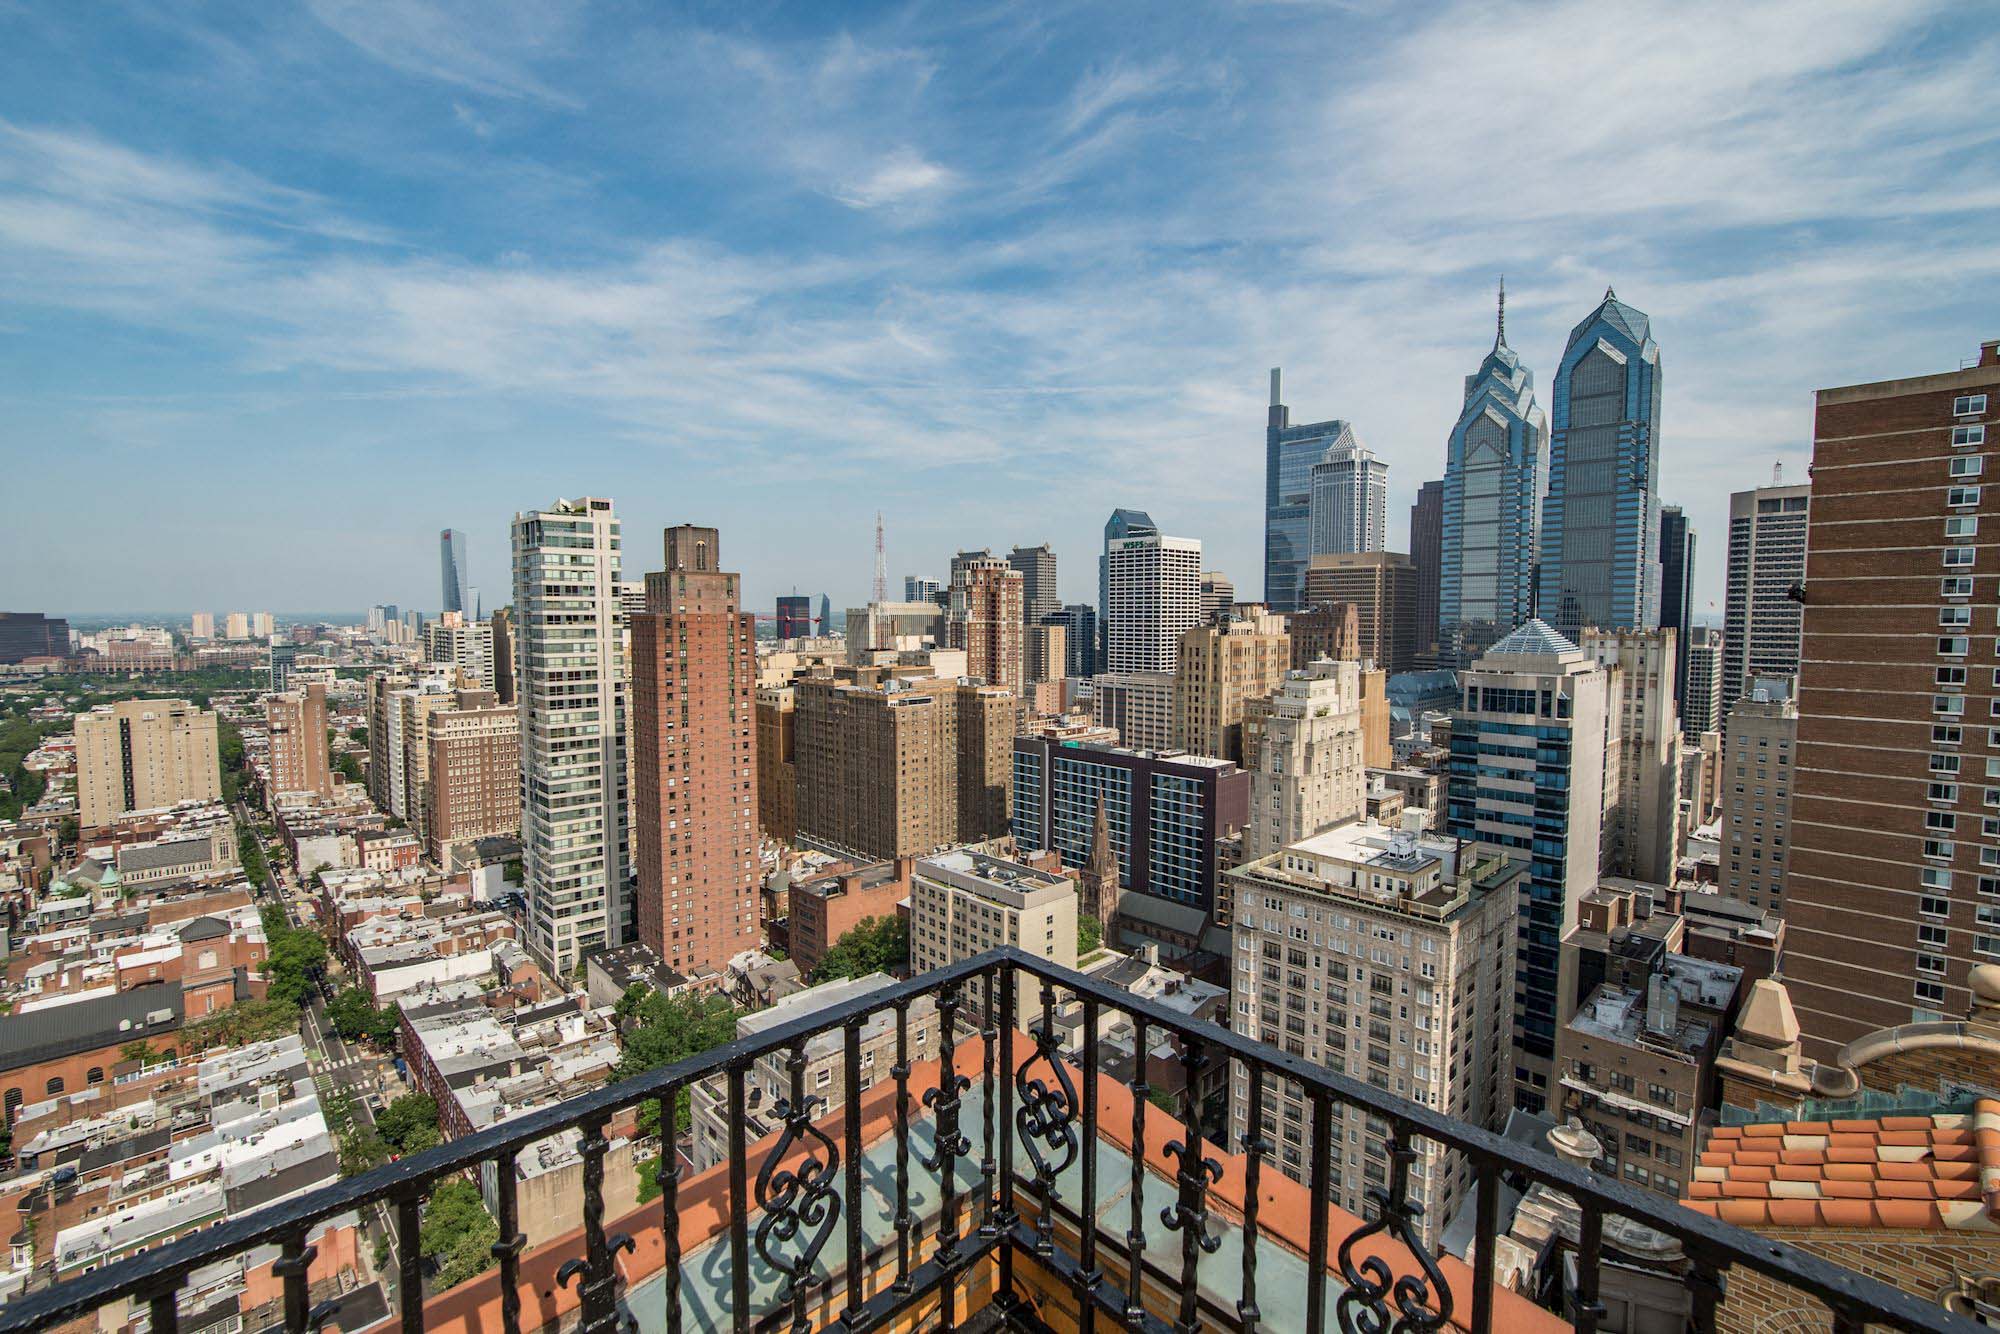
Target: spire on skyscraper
1500 333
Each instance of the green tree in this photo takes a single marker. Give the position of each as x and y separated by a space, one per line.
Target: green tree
663 1029
457 1233
245 1021
292 957
410 1123
359 1019
1089 935
872 945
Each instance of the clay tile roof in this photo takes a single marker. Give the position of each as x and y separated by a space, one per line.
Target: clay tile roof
1902 1172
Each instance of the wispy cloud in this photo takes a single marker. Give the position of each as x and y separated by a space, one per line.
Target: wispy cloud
486 46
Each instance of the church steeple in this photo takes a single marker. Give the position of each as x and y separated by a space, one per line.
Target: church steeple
1099 882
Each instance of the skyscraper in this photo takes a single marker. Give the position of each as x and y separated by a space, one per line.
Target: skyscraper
1677 590
137 754
1079 623
1496 475
451 557
1701 702
986 621
1426 557
1890 895
464 643
1600 539
1640 836
1153 586
794 615
1221 669
1122 524
694 767
1038 581
1533 709
1290 453
1761 622
1218 596
1302 746
825 614
1349 501
569 688
916 588
1382 588
295 725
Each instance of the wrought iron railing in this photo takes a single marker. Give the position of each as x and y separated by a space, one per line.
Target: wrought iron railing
1038 1118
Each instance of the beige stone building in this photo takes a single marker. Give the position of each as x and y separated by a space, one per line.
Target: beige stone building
1755 793
1382 587
1139 706
1220 669
1047 646
964 903
1386 956
1641 833
474 772
890 767
1302 746
141 753
777 769
295 723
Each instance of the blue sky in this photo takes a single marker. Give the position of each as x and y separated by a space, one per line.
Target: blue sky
284 289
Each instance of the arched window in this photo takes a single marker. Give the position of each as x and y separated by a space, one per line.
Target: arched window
96 1075
55 1086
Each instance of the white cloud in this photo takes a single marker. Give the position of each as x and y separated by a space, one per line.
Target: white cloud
901 178
486 46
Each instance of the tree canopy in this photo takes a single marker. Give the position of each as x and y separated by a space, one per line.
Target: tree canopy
457 1233
245 1021
872 945
359 1019
410 1123
1089 934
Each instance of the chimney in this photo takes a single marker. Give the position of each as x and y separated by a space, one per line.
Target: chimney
1989 355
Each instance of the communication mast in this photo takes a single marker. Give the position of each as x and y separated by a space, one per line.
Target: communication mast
881 563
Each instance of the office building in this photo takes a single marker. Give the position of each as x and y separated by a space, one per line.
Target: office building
1139 706
1166 812
1382 588
1406 982
474 782
794 615
986 619
1218 596
236 625
138 754
203 626
777 773
1037 567
1527 775
295 726
502 623
569 686
1600 538
919 589
465 643
1325 630
892 627
1290 454
451 563
1122 524
963 903
1046 651
1302 746
694 766
1762 617
280 658
1349 500
400 704
892 767
1426 564
1756 793
825 614
1701 702
1677 590
1893 874
1496 476
1640 836
30 634
1154 587
1079 626
822 909
1222 667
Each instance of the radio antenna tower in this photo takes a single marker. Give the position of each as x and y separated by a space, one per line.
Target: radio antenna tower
881 563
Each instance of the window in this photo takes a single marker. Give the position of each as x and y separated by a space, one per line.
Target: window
1954 646
1954 616
1968 405
1962 497
1936 937
1943 734
1958 558
1943 820
1930 993
1950 676
1967 465
1961 436
1945 792
1949 706
1955 586
1931 907
1963 525
1944 764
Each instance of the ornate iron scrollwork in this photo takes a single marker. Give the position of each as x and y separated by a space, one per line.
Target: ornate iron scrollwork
950 1143
801 1205
1375 1301
1045 1118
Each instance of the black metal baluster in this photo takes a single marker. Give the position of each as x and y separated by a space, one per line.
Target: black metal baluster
800 1206
739 1202
670 1204
294 1266
1486 1227
410 1261
1087 1276
989 1036
507 1249
905 1221
1047 1110
597 1266
1320 1185
1845 1321
950 1147
1007 980
1705 1288
1255 1146
1585 1309
163 1315
1374 1296
852 1125
1188 1214
1135 1234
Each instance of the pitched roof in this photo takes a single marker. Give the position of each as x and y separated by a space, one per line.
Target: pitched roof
1912 1172
1536 636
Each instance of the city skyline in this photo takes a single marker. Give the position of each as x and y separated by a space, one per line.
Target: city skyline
948 274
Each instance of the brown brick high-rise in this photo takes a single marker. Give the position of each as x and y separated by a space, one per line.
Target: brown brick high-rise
1893 866
694 759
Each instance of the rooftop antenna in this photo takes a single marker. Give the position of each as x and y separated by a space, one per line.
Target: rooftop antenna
1778 473
1500 337
881 563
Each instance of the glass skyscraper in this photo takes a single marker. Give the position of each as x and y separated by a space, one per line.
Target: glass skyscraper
1496 474
1289 455
1122 524
451 556
1600 541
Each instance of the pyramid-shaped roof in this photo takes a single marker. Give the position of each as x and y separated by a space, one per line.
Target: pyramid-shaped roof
1634 323
1538 637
